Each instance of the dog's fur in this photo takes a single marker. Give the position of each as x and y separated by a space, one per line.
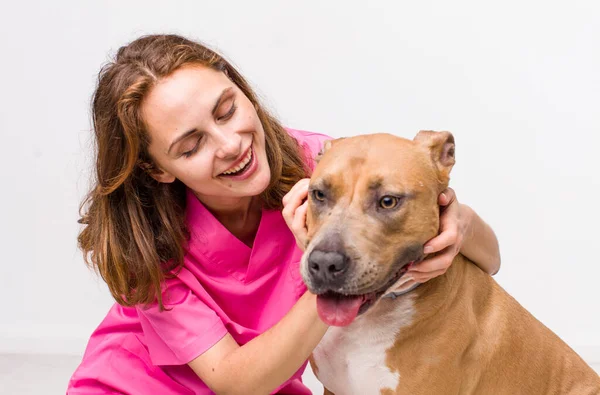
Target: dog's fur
459 333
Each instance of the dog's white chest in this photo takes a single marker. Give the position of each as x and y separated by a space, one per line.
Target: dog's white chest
351 360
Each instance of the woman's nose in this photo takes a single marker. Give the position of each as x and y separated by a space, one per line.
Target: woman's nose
228 144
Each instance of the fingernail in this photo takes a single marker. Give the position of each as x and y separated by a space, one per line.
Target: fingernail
428 250
443 196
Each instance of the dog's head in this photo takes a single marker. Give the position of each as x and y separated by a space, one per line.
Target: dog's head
372 206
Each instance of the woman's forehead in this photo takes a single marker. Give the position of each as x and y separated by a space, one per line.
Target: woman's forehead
187 86
183 98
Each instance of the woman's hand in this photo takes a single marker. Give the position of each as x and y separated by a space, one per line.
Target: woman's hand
454 226
294 211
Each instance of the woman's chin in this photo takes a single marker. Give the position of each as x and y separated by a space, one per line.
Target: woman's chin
253 186
260 184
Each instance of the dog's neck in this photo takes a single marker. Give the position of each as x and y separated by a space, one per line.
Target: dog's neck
401 290
440 293
404 285
432 296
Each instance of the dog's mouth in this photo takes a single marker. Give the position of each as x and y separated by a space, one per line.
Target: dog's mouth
336 309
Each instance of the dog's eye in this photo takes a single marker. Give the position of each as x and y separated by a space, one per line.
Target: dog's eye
318 195
388 202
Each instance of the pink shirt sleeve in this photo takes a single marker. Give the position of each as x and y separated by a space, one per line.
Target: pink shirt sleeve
311 143
184 330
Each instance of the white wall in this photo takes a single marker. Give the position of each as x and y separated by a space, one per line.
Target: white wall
516 81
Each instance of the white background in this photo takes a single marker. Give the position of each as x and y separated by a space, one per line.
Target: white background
517 82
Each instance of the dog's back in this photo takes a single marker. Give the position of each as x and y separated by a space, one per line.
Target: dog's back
471 337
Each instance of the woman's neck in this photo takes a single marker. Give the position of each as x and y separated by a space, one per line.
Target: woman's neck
240 216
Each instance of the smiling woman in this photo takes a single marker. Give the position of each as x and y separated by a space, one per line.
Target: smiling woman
170 113
184 224
203 130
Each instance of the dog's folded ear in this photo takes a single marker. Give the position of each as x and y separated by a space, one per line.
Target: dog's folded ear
441 147
326 146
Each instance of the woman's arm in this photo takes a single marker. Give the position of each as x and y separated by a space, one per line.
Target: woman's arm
267 361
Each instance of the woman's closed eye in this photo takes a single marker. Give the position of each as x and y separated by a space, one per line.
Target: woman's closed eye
194 149
229 113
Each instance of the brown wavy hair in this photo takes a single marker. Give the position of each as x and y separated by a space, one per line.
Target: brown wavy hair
135 233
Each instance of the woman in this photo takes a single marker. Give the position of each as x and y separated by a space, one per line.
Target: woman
185 225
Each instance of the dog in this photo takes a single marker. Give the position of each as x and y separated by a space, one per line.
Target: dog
372 206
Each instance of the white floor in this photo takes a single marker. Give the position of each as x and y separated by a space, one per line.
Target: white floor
24 374
48 374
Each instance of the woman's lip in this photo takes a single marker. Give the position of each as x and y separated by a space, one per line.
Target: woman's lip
248 171
242 157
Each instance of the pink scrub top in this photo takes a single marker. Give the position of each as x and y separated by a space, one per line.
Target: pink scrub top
224 287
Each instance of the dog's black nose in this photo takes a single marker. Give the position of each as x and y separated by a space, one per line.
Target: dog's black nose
327 265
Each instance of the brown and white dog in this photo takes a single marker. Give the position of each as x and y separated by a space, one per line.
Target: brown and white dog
372 207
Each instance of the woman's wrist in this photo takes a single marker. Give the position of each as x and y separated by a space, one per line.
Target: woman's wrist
468 217
479 244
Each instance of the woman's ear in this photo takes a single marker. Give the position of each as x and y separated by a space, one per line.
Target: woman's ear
164 177
156 173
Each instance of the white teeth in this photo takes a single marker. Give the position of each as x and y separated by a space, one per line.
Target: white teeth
241 165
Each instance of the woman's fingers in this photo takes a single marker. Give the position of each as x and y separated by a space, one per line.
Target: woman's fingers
301 188
299 225
446 197
294 210
436 263
294 199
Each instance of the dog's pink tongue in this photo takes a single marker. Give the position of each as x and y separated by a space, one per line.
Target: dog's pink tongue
338 310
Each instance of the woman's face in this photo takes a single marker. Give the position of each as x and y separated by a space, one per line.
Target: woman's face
205 132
